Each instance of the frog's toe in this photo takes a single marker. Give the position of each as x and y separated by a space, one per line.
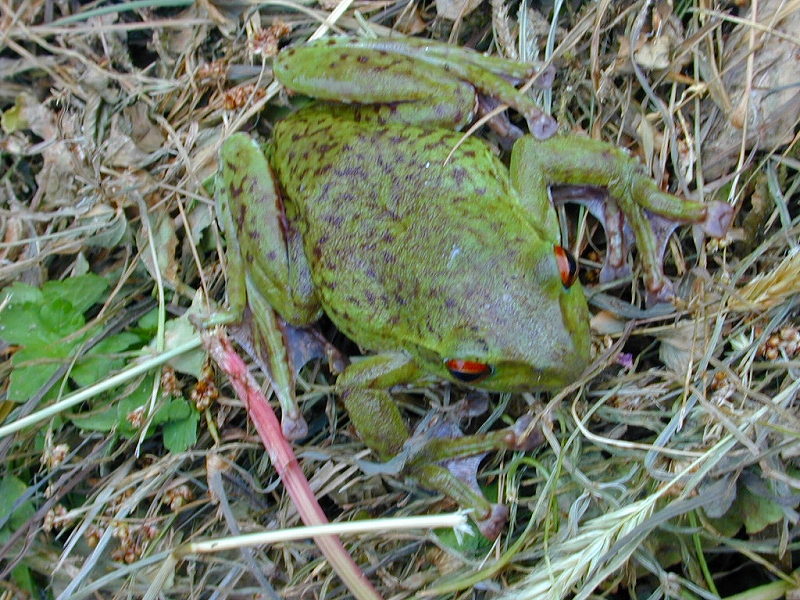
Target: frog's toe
717 220
294 426
491 526
542 126
664 293
457 458
524 434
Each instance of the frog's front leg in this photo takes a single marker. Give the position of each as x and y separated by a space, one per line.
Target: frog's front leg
266 266
634 201
434 458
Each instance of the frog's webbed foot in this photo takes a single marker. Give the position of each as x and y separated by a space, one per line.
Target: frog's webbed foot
540 124
616 189
444 459
306 344
656 230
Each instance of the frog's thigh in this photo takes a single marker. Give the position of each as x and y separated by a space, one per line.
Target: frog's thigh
277 270
410 90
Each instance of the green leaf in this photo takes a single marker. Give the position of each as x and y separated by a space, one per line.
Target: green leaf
21 324
43 361
757 512
22 293
179 331
82 292
23 577
11 489
469 545
60 317
174 409
149 321
97 363
177 417
39 320
113 414
749 510
180 434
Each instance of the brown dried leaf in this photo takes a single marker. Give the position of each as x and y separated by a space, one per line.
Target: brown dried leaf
144 133
455 9
765 97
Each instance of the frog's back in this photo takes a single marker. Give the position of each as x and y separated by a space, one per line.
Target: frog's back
408 249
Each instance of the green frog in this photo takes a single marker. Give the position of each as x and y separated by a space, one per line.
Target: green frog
419 244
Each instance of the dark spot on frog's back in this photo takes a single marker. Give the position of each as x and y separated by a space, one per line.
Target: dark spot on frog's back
234 191
363 59
241 217
435 143
333 219
323 170
319 247
450 303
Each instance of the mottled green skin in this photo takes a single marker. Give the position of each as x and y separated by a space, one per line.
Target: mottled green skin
414 242
420 246
409 251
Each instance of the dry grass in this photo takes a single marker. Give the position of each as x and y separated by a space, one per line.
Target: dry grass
673 475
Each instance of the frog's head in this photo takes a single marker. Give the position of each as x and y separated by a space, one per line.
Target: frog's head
528 333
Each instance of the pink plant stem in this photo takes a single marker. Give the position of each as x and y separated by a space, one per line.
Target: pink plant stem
285 463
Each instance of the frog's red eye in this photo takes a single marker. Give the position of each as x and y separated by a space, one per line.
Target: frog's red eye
567 267
468 371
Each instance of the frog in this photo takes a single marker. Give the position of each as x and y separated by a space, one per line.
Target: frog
371 207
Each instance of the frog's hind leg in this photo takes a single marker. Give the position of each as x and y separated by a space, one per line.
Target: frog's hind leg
402 80
381 86
265 271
